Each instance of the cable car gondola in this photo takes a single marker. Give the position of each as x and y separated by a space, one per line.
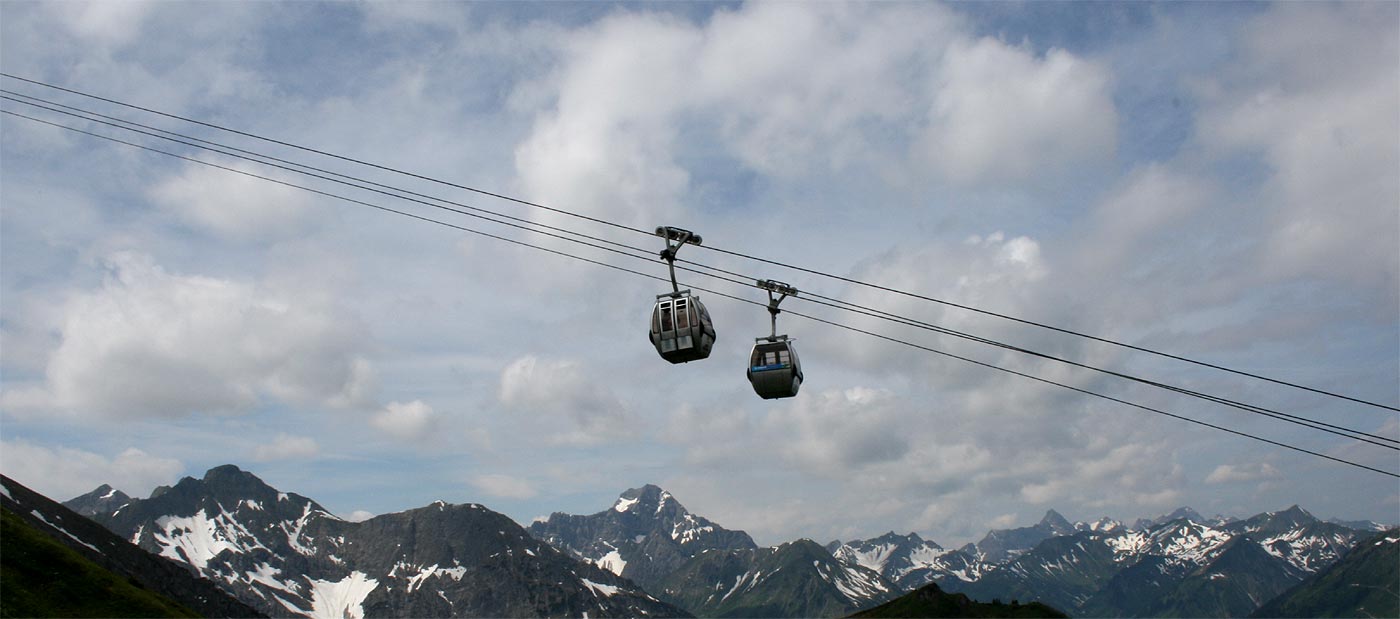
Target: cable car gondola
774 369
681 329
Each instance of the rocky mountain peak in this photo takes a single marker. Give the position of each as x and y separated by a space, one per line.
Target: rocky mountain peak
912 539
646 534
102 500
1297 513
649 500
1056 522
1181 513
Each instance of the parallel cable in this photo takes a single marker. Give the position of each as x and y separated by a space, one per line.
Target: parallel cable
1095 338
717 293
843 305
331 155
1314 424
263 159
717 249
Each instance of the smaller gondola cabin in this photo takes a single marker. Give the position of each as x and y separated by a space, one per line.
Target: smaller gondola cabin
774 369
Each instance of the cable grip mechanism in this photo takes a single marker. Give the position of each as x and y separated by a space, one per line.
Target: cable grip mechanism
678 236
784 291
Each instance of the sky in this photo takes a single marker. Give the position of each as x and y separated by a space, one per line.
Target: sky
1219 181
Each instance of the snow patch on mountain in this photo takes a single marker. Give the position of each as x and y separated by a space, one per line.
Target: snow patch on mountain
266 575
1189 544
1307 552
688 529
855 585
624 504
343 599
1128 545
612 562
872 559
198 539
62 530
433 571
294 530
600 589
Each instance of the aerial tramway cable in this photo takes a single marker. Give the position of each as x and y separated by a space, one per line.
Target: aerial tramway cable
718 249
843 305
651 276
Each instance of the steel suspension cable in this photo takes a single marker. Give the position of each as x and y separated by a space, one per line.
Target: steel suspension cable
717 293
644 255
737 254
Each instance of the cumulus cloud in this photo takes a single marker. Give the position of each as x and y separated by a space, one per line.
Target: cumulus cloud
62 473
104 23
1231 473
992 271
840 430
606 147
557 390
235 206
999 113
359 515
409 421
635 92
152 343
1315 91
504 486
1146 213
287 447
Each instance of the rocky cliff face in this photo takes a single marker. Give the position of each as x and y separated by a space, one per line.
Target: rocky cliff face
645 536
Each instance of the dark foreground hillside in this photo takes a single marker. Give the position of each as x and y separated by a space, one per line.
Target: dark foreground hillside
40 577
57 563
930 601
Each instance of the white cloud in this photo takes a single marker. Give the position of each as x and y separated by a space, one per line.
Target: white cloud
606 148
559 391
62 473
105 23
1001 114
1008 275
794 90
409 421
809 117
1150 214
359 515
287 447
504 486
1231 473
151 343
836 431
1315 91
235 206
1004 521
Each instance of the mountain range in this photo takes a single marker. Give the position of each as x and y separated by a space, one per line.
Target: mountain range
285 555
1175 566
282 554
689 561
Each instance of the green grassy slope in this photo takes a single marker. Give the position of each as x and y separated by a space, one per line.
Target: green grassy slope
40 577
